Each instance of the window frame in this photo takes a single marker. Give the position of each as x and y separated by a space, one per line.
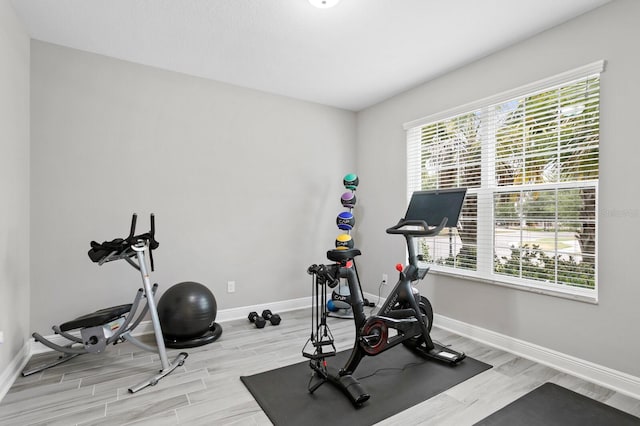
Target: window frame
486 191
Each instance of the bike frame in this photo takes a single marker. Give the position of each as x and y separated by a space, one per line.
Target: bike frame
410 324
400 311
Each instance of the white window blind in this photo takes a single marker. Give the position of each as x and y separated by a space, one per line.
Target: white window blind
529 161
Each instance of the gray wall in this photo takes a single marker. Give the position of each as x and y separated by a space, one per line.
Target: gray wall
14 184
245 185
605 333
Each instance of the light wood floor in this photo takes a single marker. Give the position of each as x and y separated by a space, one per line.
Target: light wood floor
92 389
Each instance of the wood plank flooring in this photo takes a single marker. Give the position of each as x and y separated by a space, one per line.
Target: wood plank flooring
206 390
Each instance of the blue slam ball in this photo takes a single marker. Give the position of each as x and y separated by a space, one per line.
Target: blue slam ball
345 221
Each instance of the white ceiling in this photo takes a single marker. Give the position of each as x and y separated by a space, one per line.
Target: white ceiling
351 56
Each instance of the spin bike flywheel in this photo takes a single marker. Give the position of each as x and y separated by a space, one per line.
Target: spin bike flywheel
375 334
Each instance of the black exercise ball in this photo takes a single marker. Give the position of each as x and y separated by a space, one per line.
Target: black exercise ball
186 310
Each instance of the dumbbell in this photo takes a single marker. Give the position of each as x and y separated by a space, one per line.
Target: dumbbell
259 321
274 319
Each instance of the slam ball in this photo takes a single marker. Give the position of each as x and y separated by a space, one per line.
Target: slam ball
348 200
345 221
351 181
344 241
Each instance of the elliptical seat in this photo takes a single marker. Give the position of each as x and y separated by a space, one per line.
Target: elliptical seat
99 317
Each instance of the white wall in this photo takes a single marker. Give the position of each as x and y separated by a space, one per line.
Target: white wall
14 186
245 185
605 333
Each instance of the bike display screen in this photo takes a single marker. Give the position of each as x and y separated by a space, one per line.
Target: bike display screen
434 205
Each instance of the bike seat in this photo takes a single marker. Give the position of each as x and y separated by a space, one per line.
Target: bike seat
337 255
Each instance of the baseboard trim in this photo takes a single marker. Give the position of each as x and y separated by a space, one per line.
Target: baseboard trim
595 373
231 314
604 376
15 367
242 312
223 315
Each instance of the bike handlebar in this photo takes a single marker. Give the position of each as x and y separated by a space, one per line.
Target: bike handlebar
426 231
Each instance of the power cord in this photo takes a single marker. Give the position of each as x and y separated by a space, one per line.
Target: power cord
374 306
411 364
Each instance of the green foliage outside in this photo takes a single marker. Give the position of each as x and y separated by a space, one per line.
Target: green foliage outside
528 261
531 262
465 259
558 132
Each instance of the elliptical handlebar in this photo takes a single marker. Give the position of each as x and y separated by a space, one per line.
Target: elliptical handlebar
426 231
132 230
122 248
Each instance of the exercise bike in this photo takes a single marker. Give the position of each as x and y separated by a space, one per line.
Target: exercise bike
404 310
113 325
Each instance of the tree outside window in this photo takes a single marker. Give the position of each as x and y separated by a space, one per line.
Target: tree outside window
530 166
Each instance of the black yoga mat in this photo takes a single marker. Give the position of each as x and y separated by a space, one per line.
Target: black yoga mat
551 405
396 380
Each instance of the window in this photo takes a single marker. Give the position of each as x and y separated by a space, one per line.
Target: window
529 161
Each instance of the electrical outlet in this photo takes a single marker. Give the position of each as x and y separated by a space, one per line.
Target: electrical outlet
385 279
231 286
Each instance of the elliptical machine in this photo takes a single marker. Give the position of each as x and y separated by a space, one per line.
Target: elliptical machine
114 325
404 310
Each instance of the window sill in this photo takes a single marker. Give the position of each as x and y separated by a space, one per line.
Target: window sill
576 294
